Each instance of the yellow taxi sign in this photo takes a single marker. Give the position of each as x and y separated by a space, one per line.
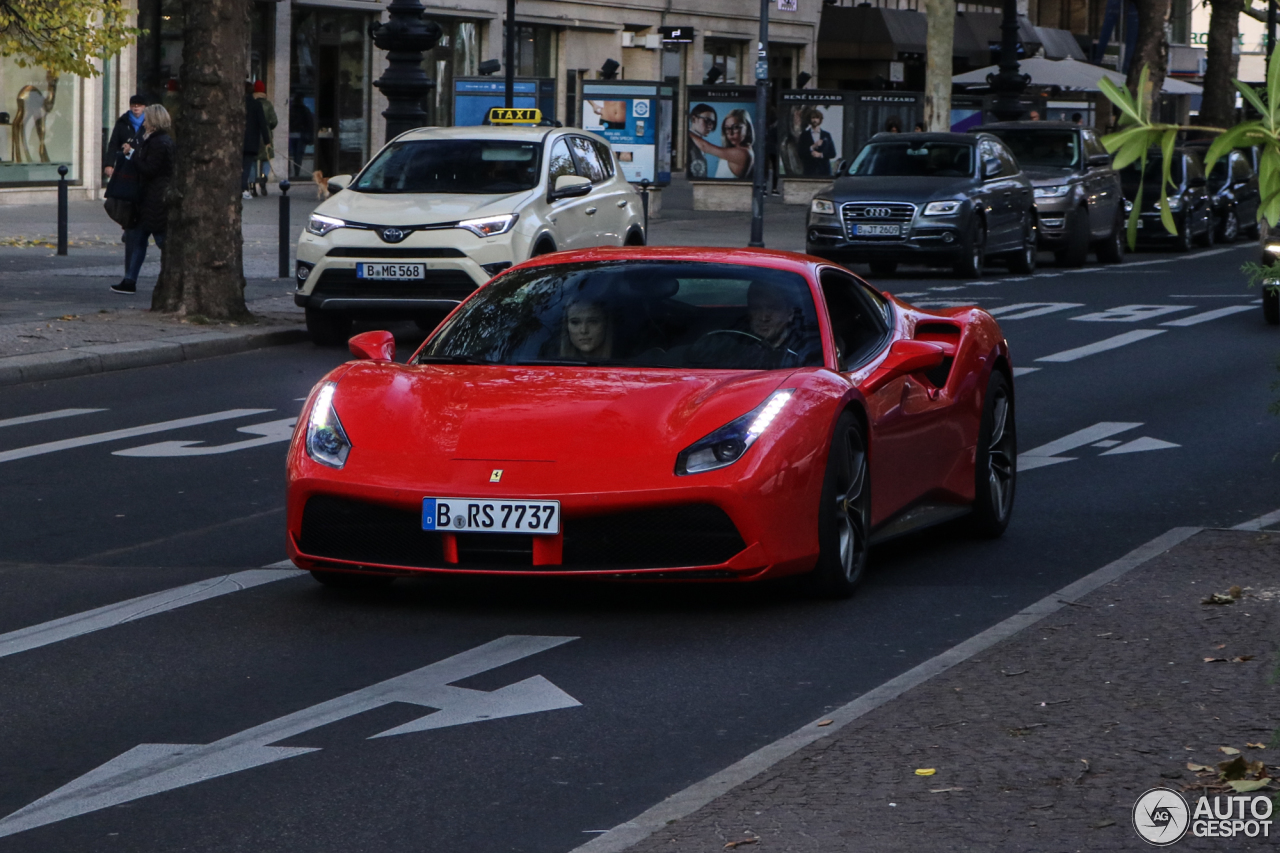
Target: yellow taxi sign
512 115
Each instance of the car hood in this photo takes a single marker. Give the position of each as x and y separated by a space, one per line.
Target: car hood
915 190
580 428
1047 176
418 208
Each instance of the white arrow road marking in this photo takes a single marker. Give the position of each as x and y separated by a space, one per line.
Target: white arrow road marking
1026 310
47 416
1131 313
57 630
1023 371
1138 445
156 767
1103 345
131 432
1047 454
1207 316
272 432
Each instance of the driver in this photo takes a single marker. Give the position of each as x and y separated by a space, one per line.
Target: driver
770 337
770 315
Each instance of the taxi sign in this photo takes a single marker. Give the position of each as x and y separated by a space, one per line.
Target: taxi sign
511 115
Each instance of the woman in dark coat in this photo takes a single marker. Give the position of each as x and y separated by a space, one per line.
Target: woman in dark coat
154 158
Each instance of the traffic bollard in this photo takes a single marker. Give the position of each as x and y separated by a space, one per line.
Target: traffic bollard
62 210
644 206
284 229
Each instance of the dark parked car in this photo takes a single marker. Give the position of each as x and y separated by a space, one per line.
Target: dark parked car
946 199
1079 203
1233 192
1188 199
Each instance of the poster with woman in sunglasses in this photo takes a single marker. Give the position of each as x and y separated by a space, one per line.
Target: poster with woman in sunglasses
730 157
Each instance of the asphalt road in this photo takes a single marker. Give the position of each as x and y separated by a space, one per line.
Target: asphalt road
659 686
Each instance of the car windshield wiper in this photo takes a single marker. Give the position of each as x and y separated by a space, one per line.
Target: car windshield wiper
452 359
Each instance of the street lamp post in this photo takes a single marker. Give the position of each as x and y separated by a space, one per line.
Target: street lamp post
510 51
761 171
1008 85
404 37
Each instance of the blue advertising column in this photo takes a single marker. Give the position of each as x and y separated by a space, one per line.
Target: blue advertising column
635 116
473 97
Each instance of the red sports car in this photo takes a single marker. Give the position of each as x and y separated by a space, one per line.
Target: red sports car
656 413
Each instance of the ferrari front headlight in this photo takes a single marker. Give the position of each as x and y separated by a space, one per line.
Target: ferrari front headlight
327 441
729 443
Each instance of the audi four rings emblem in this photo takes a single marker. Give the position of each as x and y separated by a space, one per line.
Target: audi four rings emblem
392 235
877 212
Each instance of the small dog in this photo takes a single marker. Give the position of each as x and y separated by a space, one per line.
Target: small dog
322 184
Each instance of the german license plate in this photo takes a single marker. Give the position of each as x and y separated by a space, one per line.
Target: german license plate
489 515
1139 223
389 272
878 230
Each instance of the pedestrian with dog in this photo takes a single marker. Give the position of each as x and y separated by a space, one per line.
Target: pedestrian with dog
153 156
267 151
256 137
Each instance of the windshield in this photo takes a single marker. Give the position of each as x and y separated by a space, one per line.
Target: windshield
1053 148
1151 180
654 314
472 166
914 159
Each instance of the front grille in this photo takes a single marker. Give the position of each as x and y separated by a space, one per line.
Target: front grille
398 254
438 284
877 213
668 537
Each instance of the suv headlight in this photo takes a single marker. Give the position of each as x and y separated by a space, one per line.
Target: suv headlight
941 208
728 444
1128 206
490 226
1175 204
822 206
1052 192
321 225
327 441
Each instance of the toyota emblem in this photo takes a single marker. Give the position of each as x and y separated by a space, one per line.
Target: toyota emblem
392 235
876 212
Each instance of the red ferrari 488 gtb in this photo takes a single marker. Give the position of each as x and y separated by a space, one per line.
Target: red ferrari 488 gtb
656 413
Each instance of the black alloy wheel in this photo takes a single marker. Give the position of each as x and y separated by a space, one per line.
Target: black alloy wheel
1076 253
973 252
996 462
1210 228
1184 234
844 514
1023 261
1112 249
351 580
1229 228
328 328
1271 305
883 267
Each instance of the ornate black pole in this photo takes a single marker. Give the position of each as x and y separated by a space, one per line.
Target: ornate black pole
405 84
1008 85
509 51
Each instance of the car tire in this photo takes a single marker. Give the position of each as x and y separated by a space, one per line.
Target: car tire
996 462
1205 240
1271 305
328 328
973 252
844 514
883 267
1184 243
1112 249
1023 261
1076 253
351 580
1229 228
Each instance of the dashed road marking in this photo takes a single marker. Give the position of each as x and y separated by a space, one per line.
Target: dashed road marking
1023 371
1102 346
1027 310
47 416
1215 314
1131 313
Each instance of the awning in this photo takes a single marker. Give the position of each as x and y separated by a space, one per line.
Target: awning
1070 75
1060 44
978 36
869 32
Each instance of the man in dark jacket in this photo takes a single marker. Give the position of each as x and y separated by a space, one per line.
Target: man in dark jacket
154 159
128 126
257 135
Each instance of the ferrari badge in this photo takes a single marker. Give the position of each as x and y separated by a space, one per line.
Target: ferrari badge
496 476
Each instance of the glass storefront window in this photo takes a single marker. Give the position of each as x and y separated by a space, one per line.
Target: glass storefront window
535 51
457 54
724 54
39 124
328 92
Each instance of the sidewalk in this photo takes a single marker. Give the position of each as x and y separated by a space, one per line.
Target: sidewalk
58 317
1043 741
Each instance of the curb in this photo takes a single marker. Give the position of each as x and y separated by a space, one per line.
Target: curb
80 361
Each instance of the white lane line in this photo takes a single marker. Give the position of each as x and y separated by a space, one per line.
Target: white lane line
1047 454
79 624
684 803
131 432
47 416
1102 346
1131 313
1208 315
1023 371
272 432
1261 522
1027 310
1208 295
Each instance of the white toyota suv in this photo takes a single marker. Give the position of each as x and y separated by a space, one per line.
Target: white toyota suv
440 211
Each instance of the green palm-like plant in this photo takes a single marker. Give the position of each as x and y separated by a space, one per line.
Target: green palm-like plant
1138 134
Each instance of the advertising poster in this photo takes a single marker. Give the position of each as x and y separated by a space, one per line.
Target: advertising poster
810 133
722 130
473 97
880 112
630 125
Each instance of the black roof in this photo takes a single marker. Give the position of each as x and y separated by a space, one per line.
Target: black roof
1027 125
886 136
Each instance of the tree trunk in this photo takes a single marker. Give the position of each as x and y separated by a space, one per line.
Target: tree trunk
940 44
1218 109
1152 47
203 262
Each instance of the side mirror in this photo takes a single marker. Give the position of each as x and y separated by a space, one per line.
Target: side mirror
841 168
1099 160
905 357
990 167
374 346
570 186
338 183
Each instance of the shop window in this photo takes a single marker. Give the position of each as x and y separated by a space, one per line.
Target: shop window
535 51
39 124
457 54
722 54
329 92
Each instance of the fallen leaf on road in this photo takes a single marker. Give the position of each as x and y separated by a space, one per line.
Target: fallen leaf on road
69 317
1241 658
1244 786
1103 823
1235 592
926 771
1198 768
733 844
1015 672
1256 745
1219 598
1215 660
1229 750
826 722
1220 646
1236 768
943 790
